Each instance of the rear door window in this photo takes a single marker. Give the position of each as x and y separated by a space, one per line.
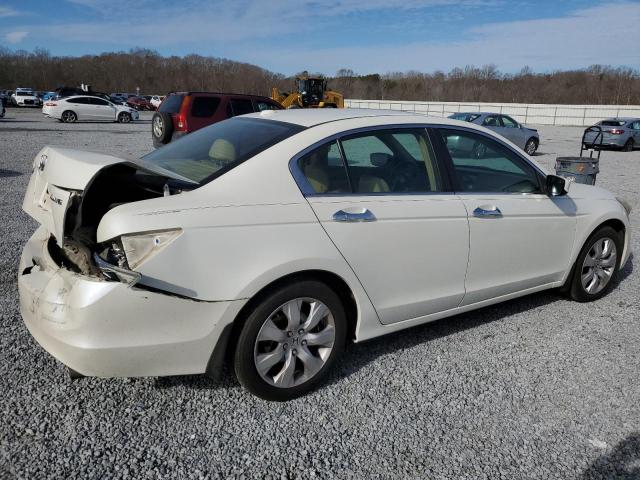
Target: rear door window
171 104
81 100
205 106
492 121
98 101
240 106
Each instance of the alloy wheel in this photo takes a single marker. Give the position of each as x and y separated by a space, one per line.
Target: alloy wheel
599 265
294 343
158 127
531 147
68 117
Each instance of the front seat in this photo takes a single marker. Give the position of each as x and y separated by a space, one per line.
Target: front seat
372 184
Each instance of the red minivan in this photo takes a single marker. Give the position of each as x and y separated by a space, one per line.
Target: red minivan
184 112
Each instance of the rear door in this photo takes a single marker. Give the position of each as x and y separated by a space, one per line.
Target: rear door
203 111
384 200
81 107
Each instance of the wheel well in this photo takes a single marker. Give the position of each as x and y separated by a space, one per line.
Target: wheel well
614 223
228 339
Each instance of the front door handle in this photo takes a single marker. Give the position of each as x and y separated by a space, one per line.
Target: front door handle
362 215
486 211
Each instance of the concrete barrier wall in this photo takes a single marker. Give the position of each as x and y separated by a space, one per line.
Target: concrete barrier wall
533 114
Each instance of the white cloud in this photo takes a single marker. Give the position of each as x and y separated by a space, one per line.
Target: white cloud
15 37
604 34
8 12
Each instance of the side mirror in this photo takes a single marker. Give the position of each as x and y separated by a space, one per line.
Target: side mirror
557 186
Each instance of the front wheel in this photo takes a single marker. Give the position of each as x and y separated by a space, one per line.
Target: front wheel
124 117
290 340
596 266
531 146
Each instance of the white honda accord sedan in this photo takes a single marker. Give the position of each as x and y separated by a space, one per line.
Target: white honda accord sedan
272 239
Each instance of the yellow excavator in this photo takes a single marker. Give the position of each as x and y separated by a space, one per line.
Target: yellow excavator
311 93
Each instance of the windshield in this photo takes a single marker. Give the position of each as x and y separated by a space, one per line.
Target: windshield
208 153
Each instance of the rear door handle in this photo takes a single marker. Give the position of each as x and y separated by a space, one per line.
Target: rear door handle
363 215
485 211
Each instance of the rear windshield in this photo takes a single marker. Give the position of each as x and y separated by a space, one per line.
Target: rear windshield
465 117
612 123
171 104
208 153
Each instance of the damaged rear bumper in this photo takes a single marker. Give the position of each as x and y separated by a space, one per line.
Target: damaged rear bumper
110 329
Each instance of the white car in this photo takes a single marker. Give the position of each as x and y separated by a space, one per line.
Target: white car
281 235
25 98
156 100
88 108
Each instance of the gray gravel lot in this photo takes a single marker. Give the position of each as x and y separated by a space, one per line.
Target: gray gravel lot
539 387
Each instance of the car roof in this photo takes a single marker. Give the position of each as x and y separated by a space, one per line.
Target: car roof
224 94
310 117
620 119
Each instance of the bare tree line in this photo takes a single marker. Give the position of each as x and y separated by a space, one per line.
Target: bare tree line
154 73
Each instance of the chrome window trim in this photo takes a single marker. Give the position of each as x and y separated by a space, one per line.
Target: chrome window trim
307 190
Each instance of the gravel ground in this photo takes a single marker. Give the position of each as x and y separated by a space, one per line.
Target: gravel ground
538 387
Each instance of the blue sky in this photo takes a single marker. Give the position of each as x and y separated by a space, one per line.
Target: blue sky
368 36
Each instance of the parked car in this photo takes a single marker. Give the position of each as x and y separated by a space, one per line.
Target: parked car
184 112
88 108
526 138
44 96
156 100
140 103
117 99
279 236
25 98
618 133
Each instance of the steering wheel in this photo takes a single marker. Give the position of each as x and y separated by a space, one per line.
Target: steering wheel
404 175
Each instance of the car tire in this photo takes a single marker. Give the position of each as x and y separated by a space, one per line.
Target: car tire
596 267
479 150
124 117
282 341
161 128
628 147
531 146
69 116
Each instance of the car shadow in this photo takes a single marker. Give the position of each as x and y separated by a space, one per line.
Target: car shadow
9 173
622 462
359 355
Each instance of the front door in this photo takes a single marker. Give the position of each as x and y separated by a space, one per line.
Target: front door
102 110
512 131
385 202
520 238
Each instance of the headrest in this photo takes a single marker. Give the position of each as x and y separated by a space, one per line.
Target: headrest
223 151
379 159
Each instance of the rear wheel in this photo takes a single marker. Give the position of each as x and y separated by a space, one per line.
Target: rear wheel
596 266
68 116
124 117
628 147
290 341
161 129
531 146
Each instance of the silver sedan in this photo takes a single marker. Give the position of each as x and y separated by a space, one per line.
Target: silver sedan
618 133
526 138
